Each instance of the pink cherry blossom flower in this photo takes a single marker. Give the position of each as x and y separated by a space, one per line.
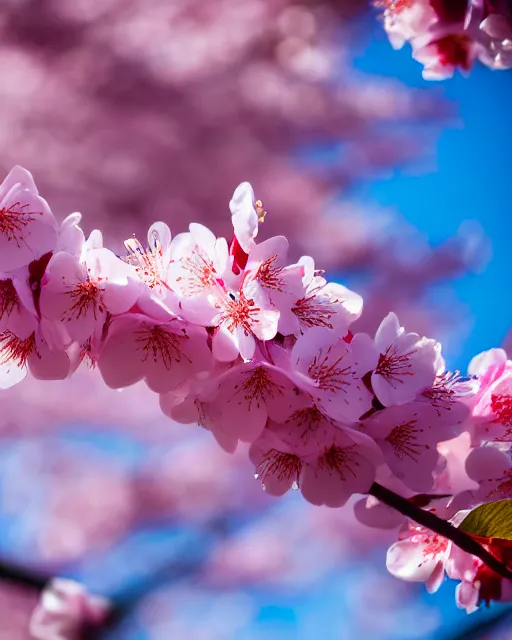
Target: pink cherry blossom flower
487 367
198 262
445 53
419 556
268 279
407 364
323 304
152 266
165 354
331 370
82 294
492 412
346 465
446 396
39 350
66 610
28 229
239 322
480 584
277 463
248 395
326 460
492 470
408 435
405 19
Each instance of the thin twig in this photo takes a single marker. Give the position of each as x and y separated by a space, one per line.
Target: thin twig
21 576
444 528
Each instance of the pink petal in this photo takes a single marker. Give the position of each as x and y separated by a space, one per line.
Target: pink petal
30 229
467 596
224 347
264 323
244 419
121 362
244 216
436 579
372 513
407 560
387 332
487 462
49 365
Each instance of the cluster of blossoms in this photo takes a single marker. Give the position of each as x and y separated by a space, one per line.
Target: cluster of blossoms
446 35
255 350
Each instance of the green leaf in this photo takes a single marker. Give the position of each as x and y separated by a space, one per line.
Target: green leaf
491 520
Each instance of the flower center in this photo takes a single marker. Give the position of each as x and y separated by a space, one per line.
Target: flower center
331 375
435 545
284 466
340 460
392 365
14 348
86 298
13 221
258 386
238 313
201 273
403 439
269 276
161 345
148 263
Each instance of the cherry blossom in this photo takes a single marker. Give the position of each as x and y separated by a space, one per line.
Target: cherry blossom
81 295
198 261
407 364
419 556
326 461
164 354
28 229
65 610
403 20
36 351
491 468
345 465
450 35
493 408
478 583
255 349
268 279
321 304
408 435
331 371
249 394
151 265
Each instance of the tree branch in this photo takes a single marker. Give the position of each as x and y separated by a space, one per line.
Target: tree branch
21 576
444 528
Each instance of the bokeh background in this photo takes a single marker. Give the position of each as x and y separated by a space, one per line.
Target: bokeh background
137 110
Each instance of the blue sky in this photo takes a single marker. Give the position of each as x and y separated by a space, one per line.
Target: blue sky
470 179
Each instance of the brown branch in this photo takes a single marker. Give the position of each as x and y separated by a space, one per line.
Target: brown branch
21 576
444 528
